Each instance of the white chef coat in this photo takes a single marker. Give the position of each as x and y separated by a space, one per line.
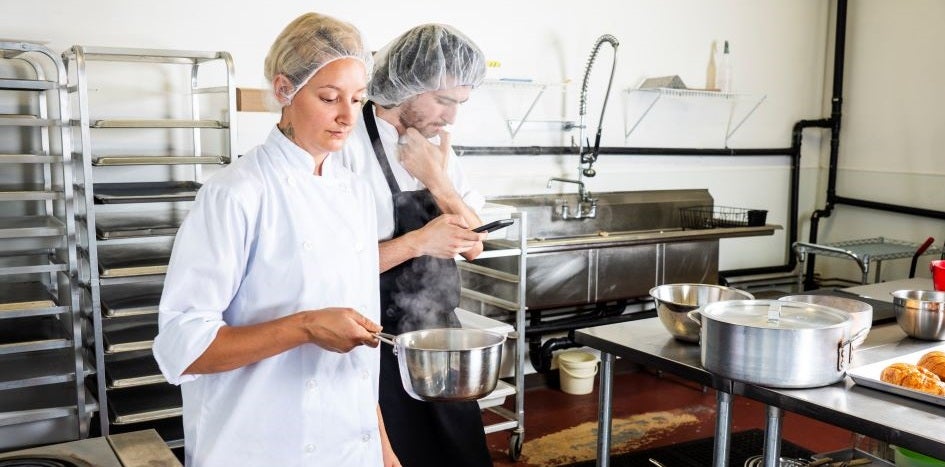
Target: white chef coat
267 238
358 156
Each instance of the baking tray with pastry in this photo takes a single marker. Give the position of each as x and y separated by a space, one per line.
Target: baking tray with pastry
917 375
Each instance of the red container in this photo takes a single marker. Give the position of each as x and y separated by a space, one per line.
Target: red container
937 268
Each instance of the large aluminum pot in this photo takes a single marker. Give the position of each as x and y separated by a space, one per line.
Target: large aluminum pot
775 343
673 301
448 364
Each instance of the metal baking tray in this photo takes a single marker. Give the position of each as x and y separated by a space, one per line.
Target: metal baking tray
145 192
136 370
138 260
131 299
28 192
25 296
32 334
31 226
139 224
159 160
129 334
29 159
144 403
37 368
157 123
868 375
42 415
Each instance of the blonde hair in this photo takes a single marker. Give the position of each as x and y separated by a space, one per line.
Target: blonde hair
308 43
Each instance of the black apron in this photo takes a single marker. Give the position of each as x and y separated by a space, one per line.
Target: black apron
421 293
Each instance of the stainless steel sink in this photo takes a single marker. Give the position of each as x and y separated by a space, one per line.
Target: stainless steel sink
635 242
623 218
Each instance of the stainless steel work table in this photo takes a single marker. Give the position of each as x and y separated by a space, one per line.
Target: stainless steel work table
905 422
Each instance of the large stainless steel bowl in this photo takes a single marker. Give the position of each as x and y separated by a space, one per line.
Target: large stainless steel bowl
674 301
448 364
921 313
861 313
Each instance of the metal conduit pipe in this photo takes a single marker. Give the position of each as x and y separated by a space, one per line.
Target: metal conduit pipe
835 117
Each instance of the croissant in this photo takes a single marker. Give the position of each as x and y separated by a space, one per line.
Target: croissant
913 377
933 361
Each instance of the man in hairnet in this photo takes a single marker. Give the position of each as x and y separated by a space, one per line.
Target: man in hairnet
425 211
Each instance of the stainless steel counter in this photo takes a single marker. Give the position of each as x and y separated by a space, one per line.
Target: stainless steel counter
898 420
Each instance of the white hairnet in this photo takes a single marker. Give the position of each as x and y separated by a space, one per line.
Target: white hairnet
307 44
426 58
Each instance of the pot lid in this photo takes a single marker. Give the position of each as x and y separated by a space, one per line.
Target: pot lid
775 314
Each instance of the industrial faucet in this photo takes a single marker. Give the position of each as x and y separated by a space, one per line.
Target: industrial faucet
586 207
589 155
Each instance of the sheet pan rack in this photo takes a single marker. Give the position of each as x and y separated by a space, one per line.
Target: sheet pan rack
42 368
141 168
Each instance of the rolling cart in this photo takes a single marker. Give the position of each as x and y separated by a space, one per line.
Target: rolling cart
510 316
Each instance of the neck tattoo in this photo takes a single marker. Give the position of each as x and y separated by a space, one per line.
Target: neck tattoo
288 131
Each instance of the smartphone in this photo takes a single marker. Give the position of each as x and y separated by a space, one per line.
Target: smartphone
493 226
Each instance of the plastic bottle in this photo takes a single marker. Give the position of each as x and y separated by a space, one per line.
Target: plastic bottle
724 77
711 69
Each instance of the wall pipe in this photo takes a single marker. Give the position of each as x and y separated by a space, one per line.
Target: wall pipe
835 117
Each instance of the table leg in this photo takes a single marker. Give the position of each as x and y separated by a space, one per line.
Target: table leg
772 436
605 406
723 428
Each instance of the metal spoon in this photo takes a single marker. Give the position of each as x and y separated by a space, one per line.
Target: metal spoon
656 462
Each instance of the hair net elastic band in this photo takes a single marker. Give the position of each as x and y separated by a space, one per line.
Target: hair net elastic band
308 78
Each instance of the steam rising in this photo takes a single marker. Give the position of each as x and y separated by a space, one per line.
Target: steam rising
427 294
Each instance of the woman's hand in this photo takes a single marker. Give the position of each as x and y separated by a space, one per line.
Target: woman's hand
339 329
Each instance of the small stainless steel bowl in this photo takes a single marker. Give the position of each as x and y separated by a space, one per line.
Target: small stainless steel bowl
921 313
674 301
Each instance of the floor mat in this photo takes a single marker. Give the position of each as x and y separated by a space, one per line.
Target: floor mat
698 453
579 443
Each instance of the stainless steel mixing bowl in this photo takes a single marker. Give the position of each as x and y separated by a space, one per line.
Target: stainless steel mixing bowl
921 313
674 301
448 364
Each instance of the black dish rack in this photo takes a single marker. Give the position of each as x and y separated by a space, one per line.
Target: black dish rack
710 217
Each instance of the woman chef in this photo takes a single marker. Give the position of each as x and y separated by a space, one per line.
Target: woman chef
267 315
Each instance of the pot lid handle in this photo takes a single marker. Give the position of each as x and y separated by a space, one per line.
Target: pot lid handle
774 312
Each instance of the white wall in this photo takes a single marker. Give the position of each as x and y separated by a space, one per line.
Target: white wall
892 138
780 50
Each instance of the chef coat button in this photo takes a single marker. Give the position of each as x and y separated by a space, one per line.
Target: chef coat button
366 437
307 245
358 246
311 384
390 313
309 448
365 374
290 181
